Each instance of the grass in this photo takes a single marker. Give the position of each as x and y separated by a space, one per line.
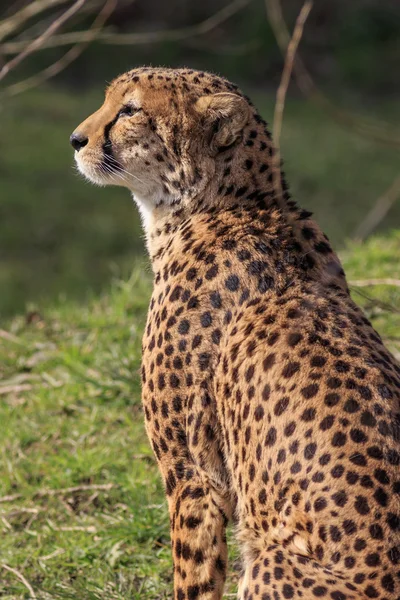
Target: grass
60 235
82 510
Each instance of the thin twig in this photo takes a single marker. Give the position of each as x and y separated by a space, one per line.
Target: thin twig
378 212
22 580
282 90
36 43
375 302
8 26
68 57
128 39
377 132
368 282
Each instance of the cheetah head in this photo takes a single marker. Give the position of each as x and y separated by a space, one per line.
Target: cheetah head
162 134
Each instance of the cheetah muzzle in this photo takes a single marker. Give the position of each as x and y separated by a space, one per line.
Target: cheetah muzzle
268 397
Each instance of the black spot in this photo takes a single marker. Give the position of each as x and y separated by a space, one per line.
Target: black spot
361 505
280 406
340 498
265 283
310 391
309 451
206 319
184 327
193 592
192 522
212 272
271 437
191 274
232 283
259 413
294 338
341 366
320 504
216 301
323 248
358 436
331 399
290 369
339 439
269 362
393 520
388 583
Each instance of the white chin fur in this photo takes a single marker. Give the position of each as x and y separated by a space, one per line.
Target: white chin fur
145 208
90 173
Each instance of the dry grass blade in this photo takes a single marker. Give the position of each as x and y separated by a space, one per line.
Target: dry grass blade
127 39
374 131
15 389
282 91
9 337
36 43
10 498
88 529
22 580
52 554
76 488
63 491
68 57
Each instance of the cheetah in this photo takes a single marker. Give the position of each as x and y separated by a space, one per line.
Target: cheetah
269 400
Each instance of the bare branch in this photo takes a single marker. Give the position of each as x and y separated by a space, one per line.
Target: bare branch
8 26
378 211
282 90
36 44
128 39
368 282
375 301
377 132
68 57
22 580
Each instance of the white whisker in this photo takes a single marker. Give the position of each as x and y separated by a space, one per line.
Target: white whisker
114 165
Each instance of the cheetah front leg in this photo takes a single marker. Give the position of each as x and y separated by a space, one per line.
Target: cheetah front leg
198 523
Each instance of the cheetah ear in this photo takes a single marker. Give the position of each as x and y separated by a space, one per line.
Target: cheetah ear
224 115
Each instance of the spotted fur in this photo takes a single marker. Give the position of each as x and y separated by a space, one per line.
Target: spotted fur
269 399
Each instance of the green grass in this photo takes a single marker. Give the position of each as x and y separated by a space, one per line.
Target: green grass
71 417
60 235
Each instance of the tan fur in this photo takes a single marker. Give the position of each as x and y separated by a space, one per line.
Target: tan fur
269 399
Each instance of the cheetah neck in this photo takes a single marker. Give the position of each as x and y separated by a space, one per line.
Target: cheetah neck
242 180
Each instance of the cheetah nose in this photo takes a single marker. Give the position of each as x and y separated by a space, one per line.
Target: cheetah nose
78 140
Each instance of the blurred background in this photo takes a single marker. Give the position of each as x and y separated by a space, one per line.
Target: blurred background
82 509
340 138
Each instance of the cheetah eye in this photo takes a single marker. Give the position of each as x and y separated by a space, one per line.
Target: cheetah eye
128 110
